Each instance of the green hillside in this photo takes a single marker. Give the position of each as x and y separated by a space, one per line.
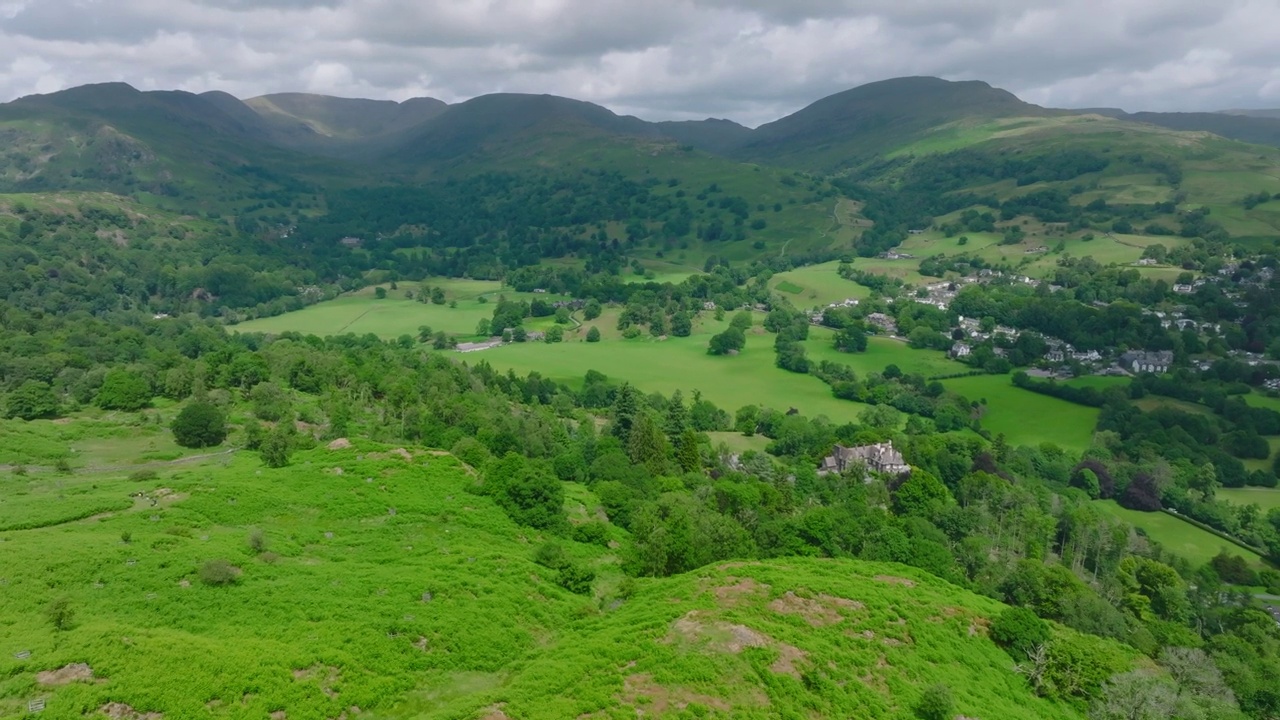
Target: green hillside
374 577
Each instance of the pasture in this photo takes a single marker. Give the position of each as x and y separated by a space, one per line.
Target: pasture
1027 418
362 312
1265 498
1178 537
816 285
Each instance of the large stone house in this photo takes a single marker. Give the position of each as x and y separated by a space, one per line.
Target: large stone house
1140 361
881 458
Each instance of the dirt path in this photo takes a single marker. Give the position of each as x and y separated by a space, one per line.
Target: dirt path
154 465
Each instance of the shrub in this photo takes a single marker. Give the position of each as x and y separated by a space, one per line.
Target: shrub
143 475
278 445
593 334
218 572
60 613
576 579
257 542
550 555
935 703
1019 630
199 425
592 533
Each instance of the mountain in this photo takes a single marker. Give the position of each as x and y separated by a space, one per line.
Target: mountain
713 135
197 151
1274 114
1258 129
516 125
345 118
856 125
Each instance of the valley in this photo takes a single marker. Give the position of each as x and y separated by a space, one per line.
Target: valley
920 402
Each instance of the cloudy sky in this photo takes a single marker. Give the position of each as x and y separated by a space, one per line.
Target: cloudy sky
749 60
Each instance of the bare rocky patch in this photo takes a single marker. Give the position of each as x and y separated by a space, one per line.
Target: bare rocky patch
895 580
75 672
732 639
729 595
820 611
641 690
120 711
327 675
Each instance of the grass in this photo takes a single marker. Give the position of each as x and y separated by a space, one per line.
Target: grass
1178 536
680 364
737 442
1027 418
882 352
361 312
386 585
816 285
1265 498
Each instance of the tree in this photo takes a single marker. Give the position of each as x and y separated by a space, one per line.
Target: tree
562 315
921 495
278 445
677 418
591 310
742 320
123 390
851 340
646 444
1142 494
555 334
687 455
199 425
593 334
32 400
681 324
380 293
729 341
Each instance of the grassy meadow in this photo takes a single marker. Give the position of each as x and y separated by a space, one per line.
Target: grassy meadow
816 285
1177 536
362 312
1027 418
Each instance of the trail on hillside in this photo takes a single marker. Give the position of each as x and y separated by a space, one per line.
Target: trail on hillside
152 465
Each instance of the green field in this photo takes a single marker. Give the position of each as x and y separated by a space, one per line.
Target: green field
1177 536
1265 498
679 364
881 352
1027 418
361 312
816 286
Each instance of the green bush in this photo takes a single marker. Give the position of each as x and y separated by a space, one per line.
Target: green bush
576 579
60 613
551 555
935 704
219 572
1019 630
199 425
591 533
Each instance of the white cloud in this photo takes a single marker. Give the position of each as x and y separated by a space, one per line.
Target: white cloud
751 60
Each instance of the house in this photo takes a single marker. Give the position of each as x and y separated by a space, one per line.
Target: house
540 291
492 342
1184 289
351 242
1141 361
881 458
1146 262
961 350
1055 356
915 232
535 336
708 305
884 322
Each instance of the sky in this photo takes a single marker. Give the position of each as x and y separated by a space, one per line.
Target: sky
748 60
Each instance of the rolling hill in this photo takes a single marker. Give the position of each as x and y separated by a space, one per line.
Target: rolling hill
380 580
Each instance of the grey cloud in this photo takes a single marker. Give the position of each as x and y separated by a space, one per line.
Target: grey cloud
749 60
